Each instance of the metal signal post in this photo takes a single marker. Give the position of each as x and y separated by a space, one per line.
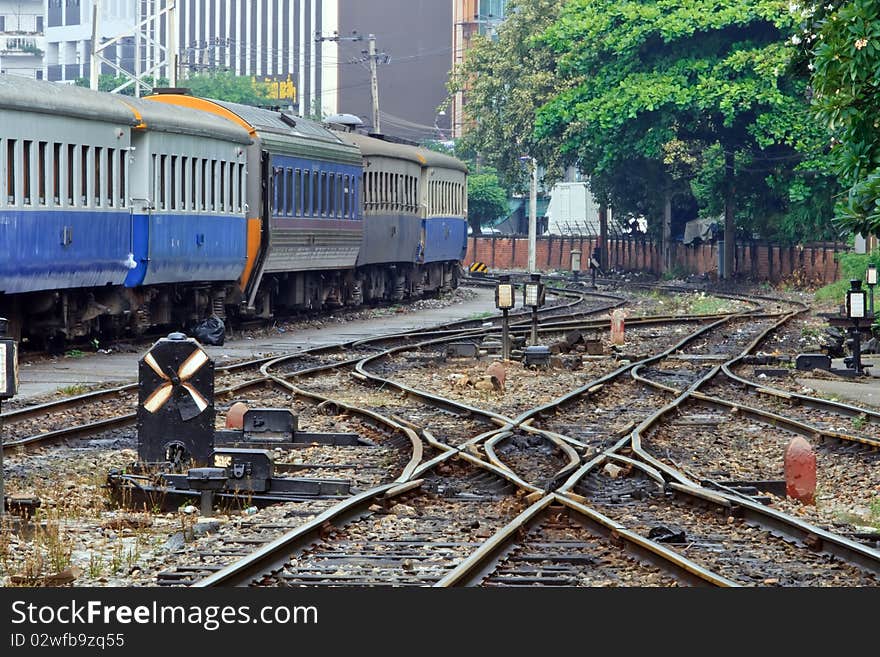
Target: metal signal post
8 389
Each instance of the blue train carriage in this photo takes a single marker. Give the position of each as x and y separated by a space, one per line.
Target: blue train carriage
444 219
388 266
65 220
305 222
189 213
410 247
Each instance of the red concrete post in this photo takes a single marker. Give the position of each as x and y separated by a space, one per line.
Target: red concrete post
800 471
235 415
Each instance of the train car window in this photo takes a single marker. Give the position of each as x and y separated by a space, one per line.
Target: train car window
236 187
298 192
70 165
88 175
322 194
26 171
317 199
203 185
41 172
185 183
344 201
230 186
123 178
96 171
162 191
338 198
212 183
307 193
56 174
10 171
111 177
4 173
174 182
193 184
331 195
288 191
222 199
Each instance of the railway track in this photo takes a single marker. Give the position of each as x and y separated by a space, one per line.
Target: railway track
554 524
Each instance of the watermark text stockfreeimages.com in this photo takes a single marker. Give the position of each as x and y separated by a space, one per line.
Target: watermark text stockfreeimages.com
209 617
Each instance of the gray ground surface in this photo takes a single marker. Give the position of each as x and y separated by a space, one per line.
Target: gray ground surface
44 377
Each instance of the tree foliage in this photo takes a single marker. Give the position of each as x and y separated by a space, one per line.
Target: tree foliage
229 87
700 99
504 80
487 200
221 85
703 103
107 83
845 38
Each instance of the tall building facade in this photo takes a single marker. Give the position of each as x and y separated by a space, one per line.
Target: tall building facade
269 39
470 19
22 37
415 46
304 47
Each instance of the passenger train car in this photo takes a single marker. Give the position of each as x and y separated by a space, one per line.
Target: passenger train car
118 214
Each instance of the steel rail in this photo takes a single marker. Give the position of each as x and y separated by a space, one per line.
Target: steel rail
85 430
492 552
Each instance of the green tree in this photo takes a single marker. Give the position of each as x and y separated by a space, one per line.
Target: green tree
698 98
487 200
229 87
503 81
845 38
107 83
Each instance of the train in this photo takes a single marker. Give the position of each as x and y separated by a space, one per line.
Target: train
122 214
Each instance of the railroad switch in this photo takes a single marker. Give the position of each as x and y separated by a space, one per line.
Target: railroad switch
175 415
278 427
182 456
207 481
462 350
810 362
536 356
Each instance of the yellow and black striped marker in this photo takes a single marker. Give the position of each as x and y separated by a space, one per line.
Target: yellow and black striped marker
479 268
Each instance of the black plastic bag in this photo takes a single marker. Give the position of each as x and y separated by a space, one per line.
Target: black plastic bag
211 332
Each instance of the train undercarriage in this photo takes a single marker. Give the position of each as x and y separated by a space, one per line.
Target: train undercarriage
53 319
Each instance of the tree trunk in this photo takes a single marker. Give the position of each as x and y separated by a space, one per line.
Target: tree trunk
667 232
729 222
603 237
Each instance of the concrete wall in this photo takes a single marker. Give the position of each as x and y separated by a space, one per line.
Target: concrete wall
813 263
417 34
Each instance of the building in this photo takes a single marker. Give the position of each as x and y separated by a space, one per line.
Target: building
305 47
471 18
22 37
415 46
269 39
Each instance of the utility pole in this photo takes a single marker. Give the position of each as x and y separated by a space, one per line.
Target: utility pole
374 85
319 38
94 61
533 218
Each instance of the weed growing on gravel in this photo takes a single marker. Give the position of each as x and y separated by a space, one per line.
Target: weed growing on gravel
859 422
5 545
96 565
117 557
72 391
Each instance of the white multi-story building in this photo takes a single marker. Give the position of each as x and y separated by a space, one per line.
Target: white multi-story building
69 35
268 39
22 37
